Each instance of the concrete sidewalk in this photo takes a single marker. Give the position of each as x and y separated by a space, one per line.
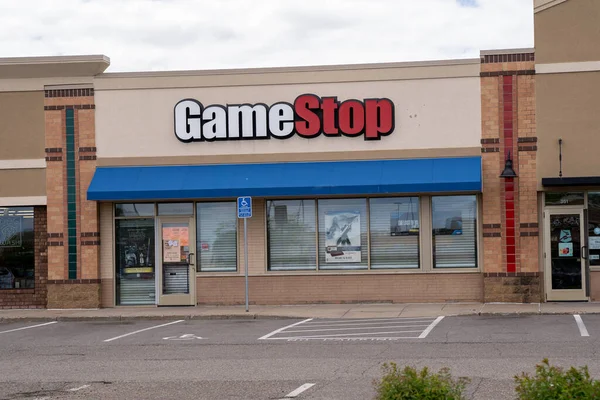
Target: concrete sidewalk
370 310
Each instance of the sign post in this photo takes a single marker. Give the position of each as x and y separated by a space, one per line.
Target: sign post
244 205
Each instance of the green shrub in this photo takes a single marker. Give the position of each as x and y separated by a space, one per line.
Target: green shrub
554 383
418 385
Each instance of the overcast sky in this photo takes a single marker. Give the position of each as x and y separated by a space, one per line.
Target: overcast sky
141 35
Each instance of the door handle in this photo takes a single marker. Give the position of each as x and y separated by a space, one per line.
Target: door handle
189 258
584 252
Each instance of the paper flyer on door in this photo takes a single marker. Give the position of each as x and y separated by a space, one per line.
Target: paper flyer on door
342 237
175 242
171 251
594 242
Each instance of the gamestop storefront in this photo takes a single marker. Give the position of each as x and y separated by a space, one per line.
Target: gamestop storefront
366 184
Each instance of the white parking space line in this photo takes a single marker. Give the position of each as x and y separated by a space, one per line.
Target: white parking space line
345 321
430 327
386 322
582 329
358 328
29 327
268 335
79 388
342 335
297 392
143 330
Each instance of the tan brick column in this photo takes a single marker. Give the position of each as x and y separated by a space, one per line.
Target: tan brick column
510 226
73 267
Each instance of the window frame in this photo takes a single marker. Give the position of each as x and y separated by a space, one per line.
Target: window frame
34 265
267 236
116 217
419 267
237 270
425 237
367 235
477 235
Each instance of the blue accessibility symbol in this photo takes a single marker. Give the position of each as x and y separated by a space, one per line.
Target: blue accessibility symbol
244 205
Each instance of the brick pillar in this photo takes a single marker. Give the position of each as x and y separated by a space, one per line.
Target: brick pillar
73 238
509 205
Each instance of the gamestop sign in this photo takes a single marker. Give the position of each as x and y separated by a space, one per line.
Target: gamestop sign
309 117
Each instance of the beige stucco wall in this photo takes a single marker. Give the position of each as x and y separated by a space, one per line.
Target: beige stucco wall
567 108
22 125
135 125
567 32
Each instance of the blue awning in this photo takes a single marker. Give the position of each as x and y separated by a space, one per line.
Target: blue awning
433 175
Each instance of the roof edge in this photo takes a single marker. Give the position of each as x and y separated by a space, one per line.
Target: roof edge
506 51
541 5
100 58
53 66
313 68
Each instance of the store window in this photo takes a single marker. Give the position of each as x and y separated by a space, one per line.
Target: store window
175 209
216 236
594 228
17 255
343 242
564 198
134 210
134 256
291 235
454 221
394 230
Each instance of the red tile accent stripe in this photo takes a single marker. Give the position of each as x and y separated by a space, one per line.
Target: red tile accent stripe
509 184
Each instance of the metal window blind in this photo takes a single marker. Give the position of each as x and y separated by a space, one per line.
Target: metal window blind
454 231
342 205
291 230
216 228
394 229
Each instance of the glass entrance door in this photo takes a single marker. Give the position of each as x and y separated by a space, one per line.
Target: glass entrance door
565 255
177 273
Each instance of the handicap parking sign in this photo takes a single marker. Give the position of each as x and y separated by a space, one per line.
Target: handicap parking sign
244 207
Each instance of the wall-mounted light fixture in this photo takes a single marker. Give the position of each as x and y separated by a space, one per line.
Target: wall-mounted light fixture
508 172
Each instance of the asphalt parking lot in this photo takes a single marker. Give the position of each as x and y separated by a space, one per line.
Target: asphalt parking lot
279 359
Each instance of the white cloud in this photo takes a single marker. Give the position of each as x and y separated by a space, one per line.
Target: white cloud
200 34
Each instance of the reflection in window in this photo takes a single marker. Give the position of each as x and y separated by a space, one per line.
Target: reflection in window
565 251
134 210
594 227
175 208
454 220
17 260
394 230
135 262
291 235
564 198
216 236
343 234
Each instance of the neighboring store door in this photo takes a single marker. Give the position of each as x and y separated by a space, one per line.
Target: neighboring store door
176 266
565 255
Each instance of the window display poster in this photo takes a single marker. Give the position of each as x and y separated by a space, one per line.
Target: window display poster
135 246
171 251
594 242
179 233
342 237
565 236
565 249
11 231
175 243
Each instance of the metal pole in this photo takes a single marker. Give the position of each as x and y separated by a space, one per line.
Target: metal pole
246 258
